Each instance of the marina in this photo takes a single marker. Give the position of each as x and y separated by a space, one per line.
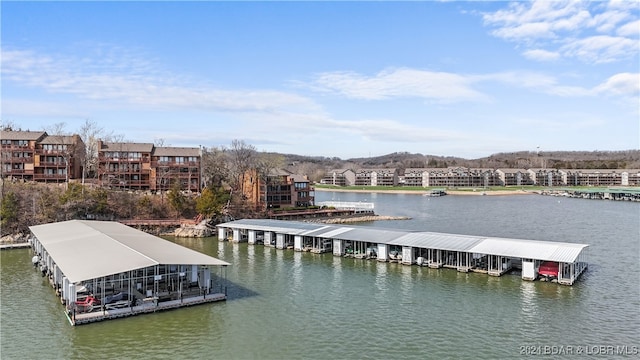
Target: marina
284 304
105 270
464 253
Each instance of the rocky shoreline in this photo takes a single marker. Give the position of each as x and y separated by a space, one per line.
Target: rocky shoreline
203 229
12 239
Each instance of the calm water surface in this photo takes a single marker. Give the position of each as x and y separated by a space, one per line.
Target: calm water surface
284 305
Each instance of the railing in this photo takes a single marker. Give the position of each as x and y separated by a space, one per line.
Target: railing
346 205
18 160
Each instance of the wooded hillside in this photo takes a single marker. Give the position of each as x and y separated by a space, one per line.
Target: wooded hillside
315 167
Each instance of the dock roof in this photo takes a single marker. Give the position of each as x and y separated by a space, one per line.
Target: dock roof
516 248
85 249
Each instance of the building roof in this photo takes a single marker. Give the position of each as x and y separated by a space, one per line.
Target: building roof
515 248
22 135
299 178
126 146
176 151
60 139
85 250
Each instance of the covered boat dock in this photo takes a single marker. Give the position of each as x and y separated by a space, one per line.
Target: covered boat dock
103 270
491 255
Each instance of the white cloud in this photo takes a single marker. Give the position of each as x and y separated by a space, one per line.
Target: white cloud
630 29
625 84
397 83
566 28
600 49
541 55
110 78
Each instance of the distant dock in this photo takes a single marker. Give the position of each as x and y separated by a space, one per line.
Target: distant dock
545 260
15 246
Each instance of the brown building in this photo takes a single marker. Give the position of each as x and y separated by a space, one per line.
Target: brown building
169 164
142 166
37 156
125 165
281 188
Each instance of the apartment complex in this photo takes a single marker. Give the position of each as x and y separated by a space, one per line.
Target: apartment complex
279 189
376 177
143 166
339 177
455 177
37 156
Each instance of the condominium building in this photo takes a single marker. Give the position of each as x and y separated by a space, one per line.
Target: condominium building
143 166
376 177
339 177
37 156
279 189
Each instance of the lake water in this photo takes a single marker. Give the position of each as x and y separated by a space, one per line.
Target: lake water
284 305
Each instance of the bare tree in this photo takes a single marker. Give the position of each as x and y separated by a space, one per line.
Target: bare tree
90 133
242 156
215 167
160 142
8 125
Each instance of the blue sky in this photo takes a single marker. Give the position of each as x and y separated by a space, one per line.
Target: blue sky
344 79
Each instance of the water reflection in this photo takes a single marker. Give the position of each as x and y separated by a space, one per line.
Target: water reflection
297 274
336 283
528 303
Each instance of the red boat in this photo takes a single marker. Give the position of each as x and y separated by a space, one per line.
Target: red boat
549 269
87 304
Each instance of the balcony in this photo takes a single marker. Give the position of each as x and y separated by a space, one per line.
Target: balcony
57 177
51 164
172 164
17 160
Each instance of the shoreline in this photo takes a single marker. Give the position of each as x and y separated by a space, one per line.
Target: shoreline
427 192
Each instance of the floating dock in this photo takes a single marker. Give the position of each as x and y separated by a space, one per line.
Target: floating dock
105 270
491 255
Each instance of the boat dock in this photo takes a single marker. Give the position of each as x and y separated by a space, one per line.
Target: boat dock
23 245
142 307
490 255
105 270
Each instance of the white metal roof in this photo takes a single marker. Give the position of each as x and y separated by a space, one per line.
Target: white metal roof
85 250
530 249
431 240
516 248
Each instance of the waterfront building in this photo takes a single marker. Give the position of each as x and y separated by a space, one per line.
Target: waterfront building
376 177
124 165
278 189
514 177
339 177
103 270
143 166
170 164
601 177
547 177
37 156
490 255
